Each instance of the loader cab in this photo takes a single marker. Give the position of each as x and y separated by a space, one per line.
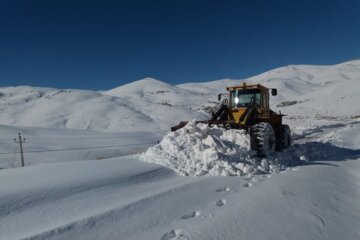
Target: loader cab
242 96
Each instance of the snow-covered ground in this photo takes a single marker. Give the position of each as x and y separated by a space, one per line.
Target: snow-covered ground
314 197
94 184
44 145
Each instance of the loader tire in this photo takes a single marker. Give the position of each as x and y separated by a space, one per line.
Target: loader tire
263 139
284 139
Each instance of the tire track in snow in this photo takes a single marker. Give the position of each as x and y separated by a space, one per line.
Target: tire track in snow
39 198
133 209
46 207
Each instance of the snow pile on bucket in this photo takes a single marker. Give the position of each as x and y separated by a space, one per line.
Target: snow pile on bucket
197 150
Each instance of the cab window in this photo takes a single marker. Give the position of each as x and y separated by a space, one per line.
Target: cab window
244 97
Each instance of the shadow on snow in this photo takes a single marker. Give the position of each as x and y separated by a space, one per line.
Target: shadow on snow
316 153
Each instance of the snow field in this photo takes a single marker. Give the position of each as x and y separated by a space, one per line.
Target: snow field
315 197
43 146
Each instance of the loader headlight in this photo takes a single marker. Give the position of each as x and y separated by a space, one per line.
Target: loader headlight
236 100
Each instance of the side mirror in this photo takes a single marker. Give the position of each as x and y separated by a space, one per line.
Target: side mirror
274 91
219 96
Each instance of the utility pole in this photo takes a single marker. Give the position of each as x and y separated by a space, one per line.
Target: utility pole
21 141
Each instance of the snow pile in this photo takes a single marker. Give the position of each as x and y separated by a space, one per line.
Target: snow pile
198 149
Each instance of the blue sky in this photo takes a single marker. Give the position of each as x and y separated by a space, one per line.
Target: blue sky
103 44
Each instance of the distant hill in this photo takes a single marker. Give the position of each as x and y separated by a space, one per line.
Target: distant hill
151 105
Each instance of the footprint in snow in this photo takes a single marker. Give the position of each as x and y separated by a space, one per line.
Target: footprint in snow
221 202
252 181
287 193
248 184
225 189
191 215
256 179
174 234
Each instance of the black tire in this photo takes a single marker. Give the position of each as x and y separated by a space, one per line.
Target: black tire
263 139
284 140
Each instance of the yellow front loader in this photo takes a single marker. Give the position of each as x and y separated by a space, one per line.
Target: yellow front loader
247 107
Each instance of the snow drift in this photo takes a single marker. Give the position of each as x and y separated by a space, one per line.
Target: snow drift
198 149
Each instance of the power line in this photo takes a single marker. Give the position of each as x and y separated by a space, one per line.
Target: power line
83 148
87 137
75 138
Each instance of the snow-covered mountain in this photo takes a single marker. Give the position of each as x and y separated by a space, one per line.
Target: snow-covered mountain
43 107
306 90
149 104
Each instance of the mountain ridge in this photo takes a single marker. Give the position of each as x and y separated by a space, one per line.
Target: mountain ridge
150 104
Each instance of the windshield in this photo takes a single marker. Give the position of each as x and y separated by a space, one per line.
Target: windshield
242 98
